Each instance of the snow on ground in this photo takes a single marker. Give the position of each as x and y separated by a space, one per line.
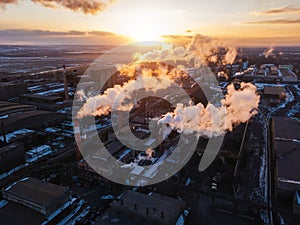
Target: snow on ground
16 133
53 215
37 153
3 203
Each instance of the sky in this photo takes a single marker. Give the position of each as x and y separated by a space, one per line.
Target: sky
245 22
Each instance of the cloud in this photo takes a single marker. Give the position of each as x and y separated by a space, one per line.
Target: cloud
23 32
100 33
282 10
85 6
178 39
3 3
279 21
23 36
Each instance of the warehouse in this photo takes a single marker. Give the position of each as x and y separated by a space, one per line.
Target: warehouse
286 151
41 196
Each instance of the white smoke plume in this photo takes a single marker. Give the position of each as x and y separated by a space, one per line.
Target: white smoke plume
208 49
85 6
268 52
80 95
201 49
230 55
170 54
211 121
102 104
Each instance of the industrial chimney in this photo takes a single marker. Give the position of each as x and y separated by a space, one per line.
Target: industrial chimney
65 83
77 138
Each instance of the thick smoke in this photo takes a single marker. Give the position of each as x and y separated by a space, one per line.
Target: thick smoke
268 52
238 106
168 54
208 49
86 6
102 104
201 48
211 121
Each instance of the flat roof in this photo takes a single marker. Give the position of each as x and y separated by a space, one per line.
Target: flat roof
288 155
287 148
150 207
41 97
286 128
36 191
17 214
274 90
9 108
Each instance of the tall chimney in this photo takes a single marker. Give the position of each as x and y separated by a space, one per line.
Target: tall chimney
65 83
77 138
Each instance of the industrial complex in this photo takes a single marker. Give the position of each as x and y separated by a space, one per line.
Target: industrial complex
254 178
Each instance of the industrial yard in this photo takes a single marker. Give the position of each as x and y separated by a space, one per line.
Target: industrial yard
45 179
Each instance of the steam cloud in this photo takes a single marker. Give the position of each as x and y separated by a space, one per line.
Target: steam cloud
269 51
207 49
102 104
238 106
211 121
201 48
86 6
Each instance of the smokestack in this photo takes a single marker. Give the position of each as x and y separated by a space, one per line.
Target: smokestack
77 138
65 83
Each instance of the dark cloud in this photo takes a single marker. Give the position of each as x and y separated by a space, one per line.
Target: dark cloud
85 6
17 32
100 33
283 10
22 36
280 21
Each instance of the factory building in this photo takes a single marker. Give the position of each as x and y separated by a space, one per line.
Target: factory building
138 208
16 214
42 197
274 94
49 103
269 73
9 90
18 116
286 152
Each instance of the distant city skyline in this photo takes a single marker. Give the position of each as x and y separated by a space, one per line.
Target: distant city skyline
247 23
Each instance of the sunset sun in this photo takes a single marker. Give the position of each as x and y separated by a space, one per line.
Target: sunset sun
144 26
